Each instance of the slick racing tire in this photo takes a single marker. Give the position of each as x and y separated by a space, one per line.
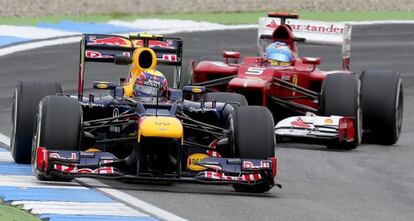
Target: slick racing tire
235 98
382 105
253 138
58 127
340 96
26 97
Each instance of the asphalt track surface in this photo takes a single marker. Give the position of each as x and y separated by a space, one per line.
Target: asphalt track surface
372 182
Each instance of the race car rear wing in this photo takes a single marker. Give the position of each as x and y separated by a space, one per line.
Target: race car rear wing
308 32
104 48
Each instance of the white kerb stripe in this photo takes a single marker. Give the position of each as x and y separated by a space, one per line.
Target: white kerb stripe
6 157
78 208
130 200
31 181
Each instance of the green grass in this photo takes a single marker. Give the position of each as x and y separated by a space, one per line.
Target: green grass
10 213
224 18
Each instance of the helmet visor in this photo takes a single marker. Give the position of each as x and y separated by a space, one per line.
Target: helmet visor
278 56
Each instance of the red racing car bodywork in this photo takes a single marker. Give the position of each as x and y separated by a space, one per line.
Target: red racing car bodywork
301 89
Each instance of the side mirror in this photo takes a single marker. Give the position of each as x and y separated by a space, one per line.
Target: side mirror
102 85
231 54
122 60
194 89
309 60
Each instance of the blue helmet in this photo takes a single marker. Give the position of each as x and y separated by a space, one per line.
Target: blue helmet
279 54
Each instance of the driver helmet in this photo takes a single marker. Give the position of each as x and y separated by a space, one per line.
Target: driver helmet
278 54
150 83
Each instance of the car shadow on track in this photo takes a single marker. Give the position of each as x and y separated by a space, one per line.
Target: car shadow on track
190 188
308 147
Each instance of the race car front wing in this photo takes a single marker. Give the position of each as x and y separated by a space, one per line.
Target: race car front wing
316 129
72 164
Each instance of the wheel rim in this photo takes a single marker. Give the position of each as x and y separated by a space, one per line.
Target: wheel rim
398 110
232 140
359 126
36 140
14 120
359 115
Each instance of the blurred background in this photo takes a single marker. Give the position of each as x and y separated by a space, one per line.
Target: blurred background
31 12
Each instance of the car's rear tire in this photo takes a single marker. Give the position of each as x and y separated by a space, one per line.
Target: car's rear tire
26 98
382 105
235 98
58 127
340 95
253 138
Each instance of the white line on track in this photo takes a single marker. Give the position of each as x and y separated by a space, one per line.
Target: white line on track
37 44
130 200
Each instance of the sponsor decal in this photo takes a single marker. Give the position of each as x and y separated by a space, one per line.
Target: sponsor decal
299 26
286 77
96 54
193 159
153 83
328 121
249 165
161 123
91 105
102 86
294 82
112 41
299 123
75 169
210 175
202 110
169 57
57 156
156 43
196 90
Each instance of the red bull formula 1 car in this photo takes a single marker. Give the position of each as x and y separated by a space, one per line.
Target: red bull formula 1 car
310 105
162 138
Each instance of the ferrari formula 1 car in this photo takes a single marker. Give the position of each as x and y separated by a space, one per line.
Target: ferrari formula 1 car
347 104
162 138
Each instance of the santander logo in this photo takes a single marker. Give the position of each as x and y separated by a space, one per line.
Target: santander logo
314 27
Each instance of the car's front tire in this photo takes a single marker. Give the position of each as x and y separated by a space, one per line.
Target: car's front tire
382 105
340 95
58 127
27 95
253 138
